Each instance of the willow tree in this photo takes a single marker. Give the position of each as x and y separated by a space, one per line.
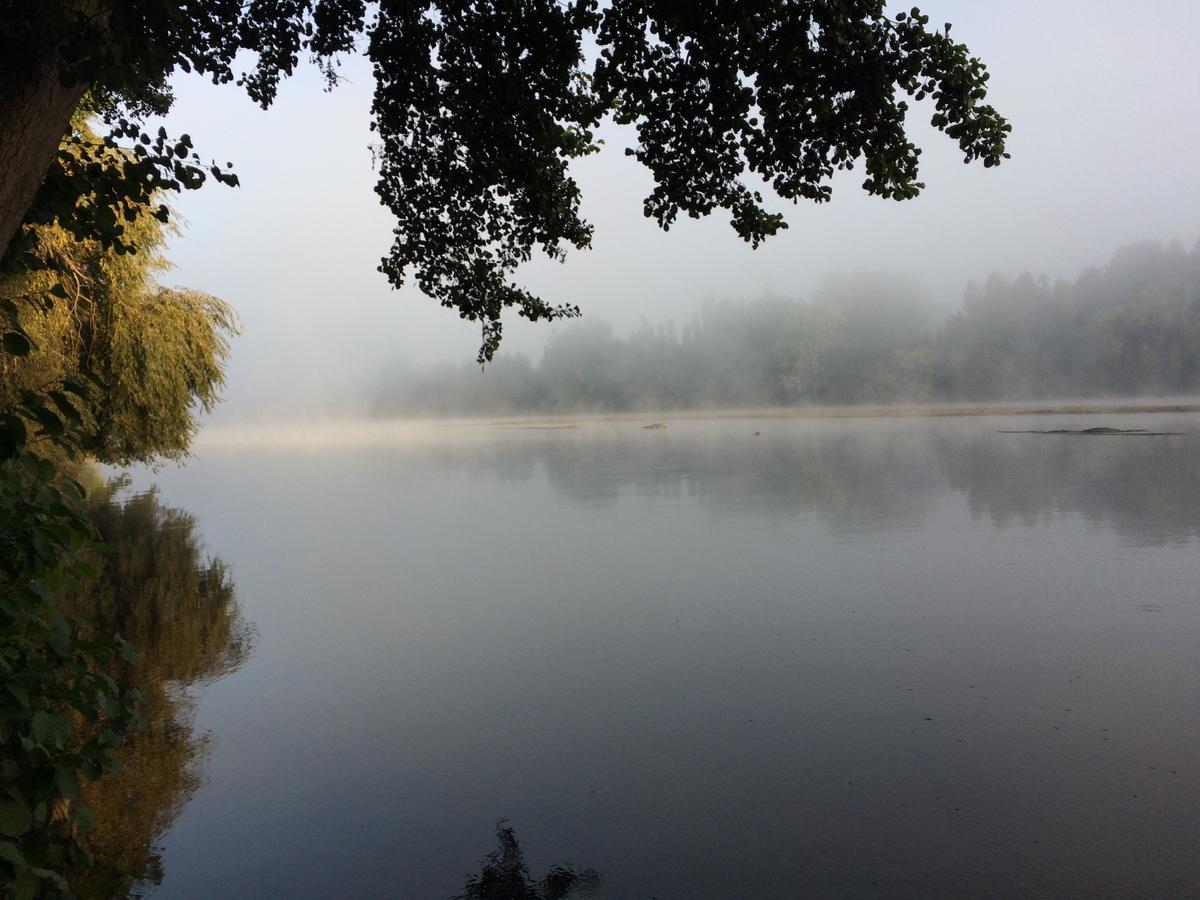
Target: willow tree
480 106
90 311
95 359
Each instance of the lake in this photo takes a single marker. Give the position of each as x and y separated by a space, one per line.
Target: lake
727 658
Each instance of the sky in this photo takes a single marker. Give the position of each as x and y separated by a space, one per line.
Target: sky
1103 99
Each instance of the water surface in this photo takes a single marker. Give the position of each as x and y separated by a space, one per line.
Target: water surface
907 657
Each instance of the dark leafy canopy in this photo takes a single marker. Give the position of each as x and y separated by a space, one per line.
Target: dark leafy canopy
791 91
479 109
481 104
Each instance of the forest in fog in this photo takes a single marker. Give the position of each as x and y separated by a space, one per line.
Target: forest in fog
1129 328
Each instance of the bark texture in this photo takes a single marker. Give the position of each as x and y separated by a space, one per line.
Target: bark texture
35 112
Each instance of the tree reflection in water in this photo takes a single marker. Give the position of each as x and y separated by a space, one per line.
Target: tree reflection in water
505 876
873 475
178 609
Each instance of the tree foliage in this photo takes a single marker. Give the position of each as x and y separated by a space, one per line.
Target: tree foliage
96 360
159 352
480 106
1129 328
61 712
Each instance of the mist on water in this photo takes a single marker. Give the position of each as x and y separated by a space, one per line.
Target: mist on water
861 563
1101 162
1128 329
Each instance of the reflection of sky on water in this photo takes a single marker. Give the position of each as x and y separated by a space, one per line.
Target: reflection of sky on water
861 477
908 656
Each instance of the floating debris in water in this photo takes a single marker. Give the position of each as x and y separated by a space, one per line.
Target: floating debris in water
1100 430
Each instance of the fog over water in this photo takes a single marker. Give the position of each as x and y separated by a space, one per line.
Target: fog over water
749 658
1100 95
769 654
863 564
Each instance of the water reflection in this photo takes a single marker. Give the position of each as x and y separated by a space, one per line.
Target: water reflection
505 876
852 484
178 609
1147 488
912 658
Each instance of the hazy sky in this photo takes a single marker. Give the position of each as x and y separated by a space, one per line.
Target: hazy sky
1102 97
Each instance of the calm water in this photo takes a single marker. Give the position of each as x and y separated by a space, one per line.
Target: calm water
839 658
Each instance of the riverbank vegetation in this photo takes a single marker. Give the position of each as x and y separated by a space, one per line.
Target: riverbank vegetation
1129 328
99 363
157 352
478 111
176 605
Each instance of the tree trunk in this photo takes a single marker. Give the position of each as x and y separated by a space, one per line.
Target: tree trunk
35 112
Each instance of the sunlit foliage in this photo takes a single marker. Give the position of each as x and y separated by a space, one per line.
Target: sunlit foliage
158 351
96 361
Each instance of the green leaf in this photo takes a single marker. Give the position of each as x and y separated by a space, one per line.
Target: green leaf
15 818
10 854
66 781
45 469
12 434
48 729
75 386
60 643
66 407
112 708
85 821
52 876
26 886
20 693
48 420
16 343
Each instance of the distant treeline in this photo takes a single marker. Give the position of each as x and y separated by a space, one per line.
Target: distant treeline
1129 328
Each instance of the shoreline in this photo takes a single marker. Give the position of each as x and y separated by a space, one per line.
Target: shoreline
864 411
331 432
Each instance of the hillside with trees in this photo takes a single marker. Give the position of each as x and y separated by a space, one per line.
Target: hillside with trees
1128 328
